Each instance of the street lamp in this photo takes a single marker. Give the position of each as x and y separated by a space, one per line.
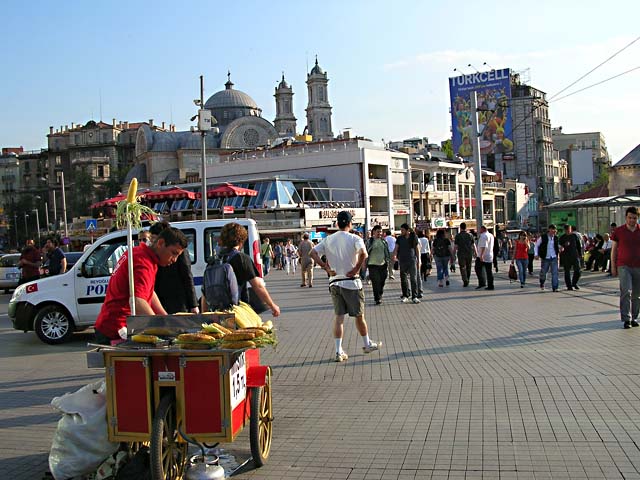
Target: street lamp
26 226
37 223
64 206
205 124
15 224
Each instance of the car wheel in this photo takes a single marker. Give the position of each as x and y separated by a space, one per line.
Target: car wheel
53 325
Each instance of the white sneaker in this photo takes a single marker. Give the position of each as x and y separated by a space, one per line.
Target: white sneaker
416 300
341 357
405 300
373 346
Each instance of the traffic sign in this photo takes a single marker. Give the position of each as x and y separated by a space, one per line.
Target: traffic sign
91 225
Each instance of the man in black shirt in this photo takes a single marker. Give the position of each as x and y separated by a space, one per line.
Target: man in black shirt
464 246
570 254
56 261
407 252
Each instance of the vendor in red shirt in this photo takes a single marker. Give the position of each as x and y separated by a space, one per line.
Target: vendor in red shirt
625 262
30 261
113 315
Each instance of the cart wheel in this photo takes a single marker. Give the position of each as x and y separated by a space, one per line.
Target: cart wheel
167 454
261 422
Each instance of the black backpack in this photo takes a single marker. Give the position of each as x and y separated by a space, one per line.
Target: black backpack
440 248
219 283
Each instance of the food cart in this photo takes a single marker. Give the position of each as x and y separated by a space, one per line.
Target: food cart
167 396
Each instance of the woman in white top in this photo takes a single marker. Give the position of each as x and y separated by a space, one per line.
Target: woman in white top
425 255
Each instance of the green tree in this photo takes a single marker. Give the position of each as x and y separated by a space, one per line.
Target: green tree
82 186
447 147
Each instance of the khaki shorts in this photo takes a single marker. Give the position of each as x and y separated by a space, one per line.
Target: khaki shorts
347 301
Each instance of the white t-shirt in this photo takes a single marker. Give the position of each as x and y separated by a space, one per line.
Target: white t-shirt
342 250
424 245
486 240
391 241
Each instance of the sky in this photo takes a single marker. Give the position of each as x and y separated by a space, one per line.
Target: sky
388 63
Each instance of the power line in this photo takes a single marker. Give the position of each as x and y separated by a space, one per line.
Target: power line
594 69
595 84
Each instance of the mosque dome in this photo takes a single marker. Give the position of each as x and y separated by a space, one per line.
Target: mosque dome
230 98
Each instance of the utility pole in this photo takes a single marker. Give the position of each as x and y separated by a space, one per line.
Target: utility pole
64 206
37 223
203 133
477 164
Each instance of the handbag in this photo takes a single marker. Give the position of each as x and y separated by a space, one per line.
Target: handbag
513 274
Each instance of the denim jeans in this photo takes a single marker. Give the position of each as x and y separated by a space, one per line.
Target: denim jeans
266 263
522 264
629 293
442 267
409 275
550 263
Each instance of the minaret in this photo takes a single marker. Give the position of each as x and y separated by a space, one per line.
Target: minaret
285 121
318 109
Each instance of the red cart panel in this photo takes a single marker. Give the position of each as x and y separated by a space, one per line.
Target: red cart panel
130 390
202 396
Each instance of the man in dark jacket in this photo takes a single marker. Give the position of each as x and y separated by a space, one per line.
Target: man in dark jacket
547 249
570 254
464 247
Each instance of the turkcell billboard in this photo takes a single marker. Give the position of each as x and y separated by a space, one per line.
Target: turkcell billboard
493 90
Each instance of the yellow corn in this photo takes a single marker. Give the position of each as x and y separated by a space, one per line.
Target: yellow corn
133 189
142 338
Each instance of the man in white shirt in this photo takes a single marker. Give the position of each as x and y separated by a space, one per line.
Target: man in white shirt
345 254
391 241
606 252
547 249
485 253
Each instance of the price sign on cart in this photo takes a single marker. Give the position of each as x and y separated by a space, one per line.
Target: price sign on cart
238 381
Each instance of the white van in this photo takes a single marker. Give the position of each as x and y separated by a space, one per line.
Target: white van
54 307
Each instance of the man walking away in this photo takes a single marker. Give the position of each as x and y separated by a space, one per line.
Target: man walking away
345 253
570 253
485 253
306 262
625 262
548 249
407 252
379 258
266 252
391 242
463 248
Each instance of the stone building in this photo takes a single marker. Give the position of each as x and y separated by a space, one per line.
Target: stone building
624 176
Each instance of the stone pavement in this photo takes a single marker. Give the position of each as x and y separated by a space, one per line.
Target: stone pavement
505 384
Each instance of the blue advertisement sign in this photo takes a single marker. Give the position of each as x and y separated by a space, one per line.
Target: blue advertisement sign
493 90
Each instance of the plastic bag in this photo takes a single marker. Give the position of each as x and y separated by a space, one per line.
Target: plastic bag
80 443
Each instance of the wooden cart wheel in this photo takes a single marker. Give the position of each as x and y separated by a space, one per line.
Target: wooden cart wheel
168 456
261 422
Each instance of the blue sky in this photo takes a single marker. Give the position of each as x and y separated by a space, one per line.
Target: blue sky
388 62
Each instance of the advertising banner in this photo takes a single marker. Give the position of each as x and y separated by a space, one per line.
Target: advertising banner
493 91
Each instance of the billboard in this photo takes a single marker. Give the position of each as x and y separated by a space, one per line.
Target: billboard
560 218
493 91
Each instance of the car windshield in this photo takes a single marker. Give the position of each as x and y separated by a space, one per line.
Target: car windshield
9 261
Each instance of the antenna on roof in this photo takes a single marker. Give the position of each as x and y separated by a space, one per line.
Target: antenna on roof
100 95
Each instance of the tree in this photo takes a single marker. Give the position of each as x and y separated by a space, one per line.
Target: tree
447 147
83 188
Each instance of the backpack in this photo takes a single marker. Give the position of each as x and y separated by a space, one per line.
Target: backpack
440 248
219 283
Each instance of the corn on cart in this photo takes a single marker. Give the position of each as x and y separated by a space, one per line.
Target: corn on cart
169 396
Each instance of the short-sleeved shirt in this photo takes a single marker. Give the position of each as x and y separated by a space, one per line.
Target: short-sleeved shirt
628 249
32 254
342 250
391 241
486 240
245 271
424 245
464 244
406 250
55 261
115 309
304 249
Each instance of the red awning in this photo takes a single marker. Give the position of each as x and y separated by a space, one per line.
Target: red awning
109 202
228 190
175 193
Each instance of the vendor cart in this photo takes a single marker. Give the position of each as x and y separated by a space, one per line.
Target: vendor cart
169 397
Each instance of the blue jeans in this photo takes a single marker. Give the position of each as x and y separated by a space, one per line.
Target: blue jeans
266 263
442 267
629 293
522 264
549 263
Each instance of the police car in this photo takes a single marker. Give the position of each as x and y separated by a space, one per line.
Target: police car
54 307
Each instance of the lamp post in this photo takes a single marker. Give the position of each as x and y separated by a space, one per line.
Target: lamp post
46 215
26 225
64 206
15 224
37 223
205 124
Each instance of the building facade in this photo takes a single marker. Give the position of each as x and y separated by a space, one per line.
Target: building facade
583 169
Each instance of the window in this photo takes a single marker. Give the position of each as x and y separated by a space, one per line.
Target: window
58 160
211 247
102 260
